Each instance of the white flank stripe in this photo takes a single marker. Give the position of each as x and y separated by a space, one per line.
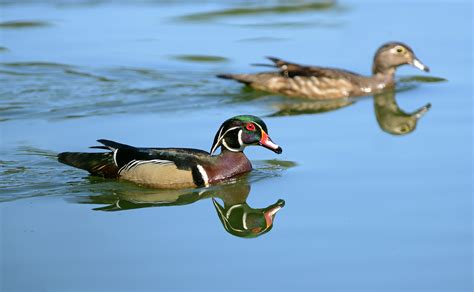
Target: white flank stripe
134 163
204 176
115 157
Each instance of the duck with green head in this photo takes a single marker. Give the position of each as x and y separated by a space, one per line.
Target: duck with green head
316 82
175 168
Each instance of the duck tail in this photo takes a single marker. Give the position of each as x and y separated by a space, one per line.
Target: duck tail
99 164
225 76
242 78
278 62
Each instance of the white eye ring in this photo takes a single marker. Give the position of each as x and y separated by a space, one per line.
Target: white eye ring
399 50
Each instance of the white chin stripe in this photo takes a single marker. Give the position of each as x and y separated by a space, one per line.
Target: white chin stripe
221 139
232 149
419 65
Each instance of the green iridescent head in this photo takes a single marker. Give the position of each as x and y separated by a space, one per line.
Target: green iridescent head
244 221
240 131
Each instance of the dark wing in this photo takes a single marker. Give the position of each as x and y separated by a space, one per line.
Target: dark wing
161 160
289 69
183 158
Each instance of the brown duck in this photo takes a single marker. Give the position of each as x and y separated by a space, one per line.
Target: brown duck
329 83
175 168
392 119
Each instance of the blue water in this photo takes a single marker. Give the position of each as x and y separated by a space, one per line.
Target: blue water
365 210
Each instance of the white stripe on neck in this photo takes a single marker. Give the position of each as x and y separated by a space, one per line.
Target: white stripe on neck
242 147
221 137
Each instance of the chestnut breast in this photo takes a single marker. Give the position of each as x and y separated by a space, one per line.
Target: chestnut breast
227 164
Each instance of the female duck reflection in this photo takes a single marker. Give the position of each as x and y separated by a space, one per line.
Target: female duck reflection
237 217
390 117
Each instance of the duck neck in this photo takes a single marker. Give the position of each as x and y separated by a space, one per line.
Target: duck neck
383 75
229 164
229 154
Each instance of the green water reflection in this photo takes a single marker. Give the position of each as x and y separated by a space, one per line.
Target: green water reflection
236 215
20 24
258 10
357 218
389 116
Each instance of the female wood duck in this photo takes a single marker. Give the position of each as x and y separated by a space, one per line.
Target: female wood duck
329 83
178 167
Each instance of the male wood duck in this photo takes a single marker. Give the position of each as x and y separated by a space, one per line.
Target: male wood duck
175 168
329 83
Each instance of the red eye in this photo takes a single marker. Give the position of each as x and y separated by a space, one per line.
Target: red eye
250 127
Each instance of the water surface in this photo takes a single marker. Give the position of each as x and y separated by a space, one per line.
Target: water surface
376 198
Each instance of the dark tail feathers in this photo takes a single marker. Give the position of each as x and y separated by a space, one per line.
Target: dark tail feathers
100 164
243 78
278 62
225 76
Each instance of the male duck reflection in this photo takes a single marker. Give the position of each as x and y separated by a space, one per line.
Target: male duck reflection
328 83
241 220
237 217
178 167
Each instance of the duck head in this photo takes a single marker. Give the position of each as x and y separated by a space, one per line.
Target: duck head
391 55
243 221
394 120
241 131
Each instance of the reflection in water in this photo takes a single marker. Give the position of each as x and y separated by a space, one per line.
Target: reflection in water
103 91
237 217
199 58
301 6
311 107
394 120
390 117
18 24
